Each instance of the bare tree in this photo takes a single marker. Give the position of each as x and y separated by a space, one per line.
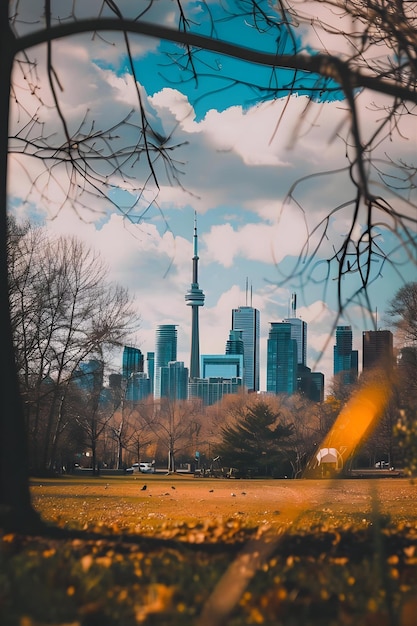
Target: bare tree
94 415
376 49
175 424
63 312
403 314
140 436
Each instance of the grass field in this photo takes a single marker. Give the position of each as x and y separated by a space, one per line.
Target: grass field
169 501
213 552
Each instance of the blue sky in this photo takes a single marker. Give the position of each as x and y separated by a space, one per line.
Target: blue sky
237 166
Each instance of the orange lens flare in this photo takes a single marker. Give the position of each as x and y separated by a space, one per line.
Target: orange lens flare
358 418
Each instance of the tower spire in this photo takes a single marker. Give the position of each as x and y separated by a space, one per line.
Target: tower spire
195 298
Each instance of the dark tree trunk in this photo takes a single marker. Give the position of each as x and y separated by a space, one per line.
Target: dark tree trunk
16 511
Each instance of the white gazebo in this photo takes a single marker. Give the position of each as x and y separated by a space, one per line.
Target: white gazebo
330 455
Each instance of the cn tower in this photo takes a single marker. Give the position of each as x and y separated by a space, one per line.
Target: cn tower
195 298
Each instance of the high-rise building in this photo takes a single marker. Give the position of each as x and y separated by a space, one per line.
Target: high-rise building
174 381
377 349
165 352
317 387
234 344
132 361
281 367
345 360
150 357
298 332
195 298
247 319
138 387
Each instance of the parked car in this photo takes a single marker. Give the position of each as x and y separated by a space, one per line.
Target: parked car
143 468
147 468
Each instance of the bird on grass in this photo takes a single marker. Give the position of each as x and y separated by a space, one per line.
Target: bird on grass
143 488
172 487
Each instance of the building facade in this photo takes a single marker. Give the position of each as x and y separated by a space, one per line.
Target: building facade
247 319
345 360
165 352
299 333
150 359
212 390
222 366
132 361
377 349
174 381
281 367
235 345
138 387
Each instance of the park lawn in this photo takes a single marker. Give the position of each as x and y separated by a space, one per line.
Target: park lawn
304 553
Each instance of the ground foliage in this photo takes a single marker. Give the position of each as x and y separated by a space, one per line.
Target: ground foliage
317 573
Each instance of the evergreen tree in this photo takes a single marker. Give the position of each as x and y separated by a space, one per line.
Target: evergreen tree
259 443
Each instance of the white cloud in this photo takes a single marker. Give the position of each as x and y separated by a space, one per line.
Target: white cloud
239 166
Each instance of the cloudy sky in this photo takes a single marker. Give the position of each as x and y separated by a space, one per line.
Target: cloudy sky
238 154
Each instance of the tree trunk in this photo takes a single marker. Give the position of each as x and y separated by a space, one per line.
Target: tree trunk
16 511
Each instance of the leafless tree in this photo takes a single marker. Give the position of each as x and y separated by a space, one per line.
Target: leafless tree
63 312
352 47
140 436
94 416
175 424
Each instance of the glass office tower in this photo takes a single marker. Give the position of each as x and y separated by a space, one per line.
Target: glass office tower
299 333
247 319
345 360
174 381
132 361
165 352
281 367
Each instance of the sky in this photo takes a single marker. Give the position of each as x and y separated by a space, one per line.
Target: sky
239 153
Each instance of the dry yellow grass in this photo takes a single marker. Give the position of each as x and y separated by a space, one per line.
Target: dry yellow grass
169 501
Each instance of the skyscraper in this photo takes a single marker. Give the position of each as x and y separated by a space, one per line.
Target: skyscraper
150 357
247 319
317 387
281 367
298 332
138 387
234 344
195 298
377 349
345 360
174 381
165 351
132 361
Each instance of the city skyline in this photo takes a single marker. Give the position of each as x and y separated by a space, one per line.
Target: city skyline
285 372
261 176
